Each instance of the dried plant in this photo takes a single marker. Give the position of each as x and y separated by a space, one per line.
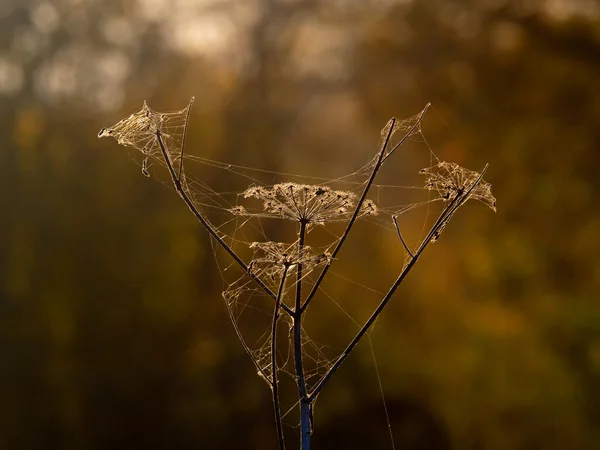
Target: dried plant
450 180
160 137
309 204
274 258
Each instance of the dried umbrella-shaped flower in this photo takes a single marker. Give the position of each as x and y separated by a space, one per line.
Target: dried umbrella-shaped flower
456 185
141 129
138 130
309 204
274 258
451 180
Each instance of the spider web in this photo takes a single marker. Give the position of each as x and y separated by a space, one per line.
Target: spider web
260 205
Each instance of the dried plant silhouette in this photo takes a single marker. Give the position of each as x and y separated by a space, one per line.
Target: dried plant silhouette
280 271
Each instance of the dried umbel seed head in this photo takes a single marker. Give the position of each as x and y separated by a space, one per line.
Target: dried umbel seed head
142 129
305 203
450 180
274 258
137 131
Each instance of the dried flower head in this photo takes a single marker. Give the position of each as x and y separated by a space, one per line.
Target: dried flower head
138 130
305 203
274 258
451 180
141 129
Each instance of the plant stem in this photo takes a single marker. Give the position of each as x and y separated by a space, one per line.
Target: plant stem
381 157
206 223
274 384
305 426
352 219
367 324
395 219
409 133
442 219
187 119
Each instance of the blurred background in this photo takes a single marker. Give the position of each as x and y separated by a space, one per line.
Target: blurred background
113 334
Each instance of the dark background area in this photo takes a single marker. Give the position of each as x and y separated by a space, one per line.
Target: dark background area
113 334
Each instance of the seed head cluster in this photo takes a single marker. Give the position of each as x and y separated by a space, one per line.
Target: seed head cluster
451 180
141 129
138 130
274 258
309 204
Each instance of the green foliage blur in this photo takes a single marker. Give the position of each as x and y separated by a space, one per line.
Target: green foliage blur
113 334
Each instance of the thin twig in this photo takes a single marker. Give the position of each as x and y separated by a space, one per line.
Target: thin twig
208 226
381 157
458 201
355 214
187 117
409 133
274 383
305 429
395 219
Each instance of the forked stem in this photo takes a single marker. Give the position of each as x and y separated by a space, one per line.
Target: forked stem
381 157
207 225
296 311
395 219
409 133
458 201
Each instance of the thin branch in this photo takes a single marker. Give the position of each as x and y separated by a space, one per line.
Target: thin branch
208 226
301 237
274 383
305 429
352 219
409 133
458 201
187 117
395 219
381 157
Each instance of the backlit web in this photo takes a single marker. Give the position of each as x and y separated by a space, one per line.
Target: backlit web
262 205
